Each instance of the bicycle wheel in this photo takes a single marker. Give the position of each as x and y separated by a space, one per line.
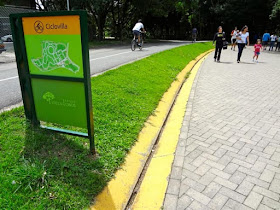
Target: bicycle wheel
133 45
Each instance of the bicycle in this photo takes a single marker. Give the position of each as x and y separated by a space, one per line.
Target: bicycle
134 42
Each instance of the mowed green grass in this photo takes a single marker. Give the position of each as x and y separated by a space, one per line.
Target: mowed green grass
40 169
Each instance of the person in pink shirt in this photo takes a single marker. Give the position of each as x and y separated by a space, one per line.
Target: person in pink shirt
257 51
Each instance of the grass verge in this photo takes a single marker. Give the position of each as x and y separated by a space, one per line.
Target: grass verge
40 169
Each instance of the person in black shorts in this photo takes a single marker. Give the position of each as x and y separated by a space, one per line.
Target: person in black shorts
233 38
219 37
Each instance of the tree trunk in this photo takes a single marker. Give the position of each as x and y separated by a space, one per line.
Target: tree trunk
101 19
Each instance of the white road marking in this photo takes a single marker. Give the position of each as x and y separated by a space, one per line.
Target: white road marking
2 80
110 56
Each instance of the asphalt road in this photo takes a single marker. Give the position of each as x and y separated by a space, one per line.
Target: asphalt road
101 60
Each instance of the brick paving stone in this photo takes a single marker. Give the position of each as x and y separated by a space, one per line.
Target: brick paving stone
184 202
264 207
212 189
237 177
231 168
178 161
225 183
253 200
218 201
257 181
236 205
173 186
214 164
193 184
170 202
195 205
249 172
271 203
267 193
276 156
267 175
207 179
275 186
241 163
269 150
232 194
277 176
201 170
225 160
198 161
226 208
220 173
228 154
251 158
176 173
198 196
245 188
259 166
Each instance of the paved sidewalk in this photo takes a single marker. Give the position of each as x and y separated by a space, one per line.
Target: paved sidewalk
228 154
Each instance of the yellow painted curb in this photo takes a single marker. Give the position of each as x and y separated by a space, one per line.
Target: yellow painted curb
119 189
152 191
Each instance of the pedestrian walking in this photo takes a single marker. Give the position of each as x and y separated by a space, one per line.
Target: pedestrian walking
219 37
272 42
265 39
194 34
233 38
242 39
257 50
278 44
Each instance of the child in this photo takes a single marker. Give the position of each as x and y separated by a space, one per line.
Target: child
258 48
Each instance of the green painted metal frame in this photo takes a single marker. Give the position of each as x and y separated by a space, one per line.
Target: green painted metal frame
25 76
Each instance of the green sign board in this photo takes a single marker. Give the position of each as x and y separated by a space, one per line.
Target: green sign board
53 65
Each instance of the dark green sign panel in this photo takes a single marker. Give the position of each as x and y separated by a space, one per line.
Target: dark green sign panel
53 65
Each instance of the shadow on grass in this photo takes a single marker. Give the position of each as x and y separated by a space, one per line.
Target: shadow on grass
68 168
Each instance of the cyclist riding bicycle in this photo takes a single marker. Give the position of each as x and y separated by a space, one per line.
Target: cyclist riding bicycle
137 30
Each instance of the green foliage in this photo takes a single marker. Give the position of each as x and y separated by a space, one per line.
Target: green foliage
40 169
276 9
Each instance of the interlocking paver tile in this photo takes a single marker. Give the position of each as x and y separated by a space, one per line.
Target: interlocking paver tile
228 155
253 200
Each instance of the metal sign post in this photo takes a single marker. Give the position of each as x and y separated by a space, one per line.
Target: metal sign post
53 66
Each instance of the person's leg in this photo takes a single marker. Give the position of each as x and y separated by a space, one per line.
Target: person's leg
219 53
239 52
216 52
240 49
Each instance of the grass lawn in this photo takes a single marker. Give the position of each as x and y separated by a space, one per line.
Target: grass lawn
40 169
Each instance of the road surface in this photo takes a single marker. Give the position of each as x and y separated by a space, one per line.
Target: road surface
100 61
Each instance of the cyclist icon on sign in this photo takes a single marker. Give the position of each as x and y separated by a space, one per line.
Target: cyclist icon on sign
38 26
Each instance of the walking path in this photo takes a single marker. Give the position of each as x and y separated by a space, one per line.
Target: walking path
228 154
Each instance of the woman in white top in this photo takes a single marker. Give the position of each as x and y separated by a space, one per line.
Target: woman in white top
241 41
